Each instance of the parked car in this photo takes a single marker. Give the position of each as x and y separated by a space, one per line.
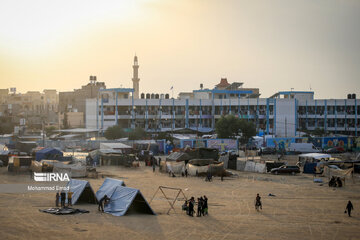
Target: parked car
286 169
335 150
267 150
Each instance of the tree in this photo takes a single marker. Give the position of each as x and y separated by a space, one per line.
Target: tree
166 136
137 133
50 130
114 132
319 132
230 127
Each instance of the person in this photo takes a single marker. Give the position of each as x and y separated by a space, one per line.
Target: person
222 175
153 166
70 198
314 171
159 161
209 176
57 199
205 205
338 182
332 182
199 207
191 206
102 201
258 201
202 206
185 207
349 207
186 172
63 198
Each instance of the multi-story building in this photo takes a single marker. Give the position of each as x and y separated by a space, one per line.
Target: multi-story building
75 101
285 114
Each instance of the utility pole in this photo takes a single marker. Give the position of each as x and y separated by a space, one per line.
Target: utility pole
285 127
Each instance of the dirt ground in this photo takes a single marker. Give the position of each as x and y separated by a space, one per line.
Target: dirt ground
301 209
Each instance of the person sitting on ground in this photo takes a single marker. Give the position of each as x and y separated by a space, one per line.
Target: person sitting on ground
103 201
338 182
185 206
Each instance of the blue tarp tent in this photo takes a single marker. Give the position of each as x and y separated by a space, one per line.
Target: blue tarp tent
309 167
82 192
108 187
125 200
48 154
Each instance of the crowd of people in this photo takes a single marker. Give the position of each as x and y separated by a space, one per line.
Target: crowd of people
202 206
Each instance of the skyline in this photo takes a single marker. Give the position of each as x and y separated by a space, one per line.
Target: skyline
271 46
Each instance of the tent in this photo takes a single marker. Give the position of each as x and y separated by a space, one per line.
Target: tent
48 153
125 200
82 192
115 146
73 170
108 187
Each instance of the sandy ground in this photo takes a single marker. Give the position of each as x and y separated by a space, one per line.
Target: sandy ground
301 209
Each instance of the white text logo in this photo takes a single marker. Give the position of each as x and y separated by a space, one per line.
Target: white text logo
49 177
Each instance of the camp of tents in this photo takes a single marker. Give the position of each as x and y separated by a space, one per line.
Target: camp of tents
123 200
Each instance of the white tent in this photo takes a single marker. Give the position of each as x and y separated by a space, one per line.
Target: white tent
114 146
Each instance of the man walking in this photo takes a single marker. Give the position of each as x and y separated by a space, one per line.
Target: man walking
349 207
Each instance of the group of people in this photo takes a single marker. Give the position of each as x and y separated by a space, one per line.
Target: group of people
61 198
335 182
202 206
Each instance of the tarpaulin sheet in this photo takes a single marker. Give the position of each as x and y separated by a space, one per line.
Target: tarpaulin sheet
249 166
176 167
63 211
260 167
108 187
240 165
309 167
78 187
123 198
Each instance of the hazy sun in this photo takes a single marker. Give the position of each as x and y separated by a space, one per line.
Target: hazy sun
37 25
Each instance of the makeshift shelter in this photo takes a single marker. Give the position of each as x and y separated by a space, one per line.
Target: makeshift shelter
116 146
314 157
178 157
73 170
175 167
108 187
82 192
125 200
49 153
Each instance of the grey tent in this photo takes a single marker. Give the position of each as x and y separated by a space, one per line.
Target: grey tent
125 200
82 192
108 187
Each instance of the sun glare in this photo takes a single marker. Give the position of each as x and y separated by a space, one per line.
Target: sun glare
38 26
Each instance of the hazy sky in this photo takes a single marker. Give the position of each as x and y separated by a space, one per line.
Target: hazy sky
270 44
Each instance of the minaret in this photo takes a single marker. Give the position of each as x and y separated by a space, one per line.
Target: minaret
136 78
